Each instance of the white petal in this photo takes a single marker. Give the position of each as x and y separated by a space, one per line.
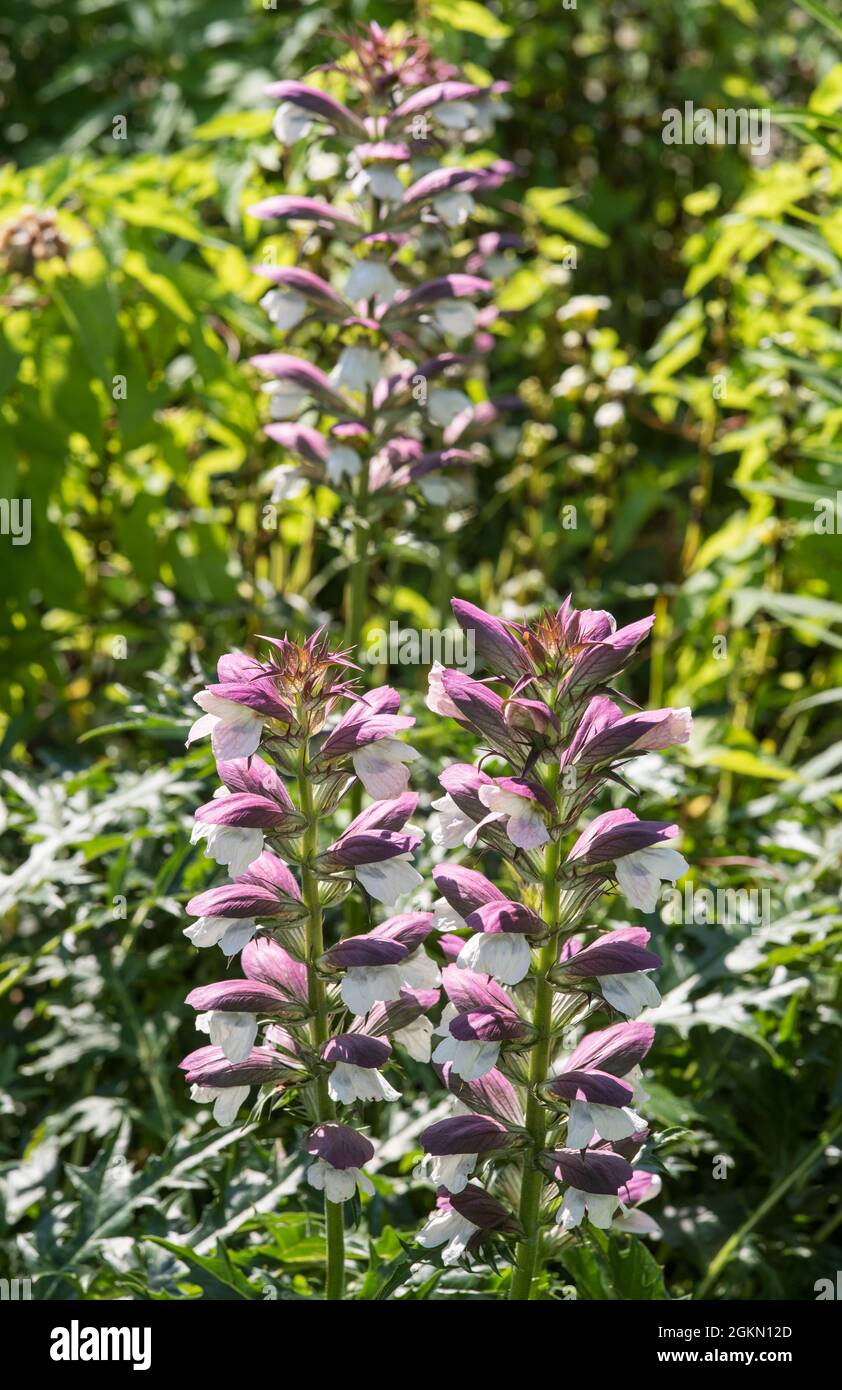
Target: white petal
203 1095
340 1183
284 309
455 208
415 1039
615 1122
470 1060
290 123
580 1125
382 776
363 986
228 1102
449 826
630 993
444 405
419 971
637 1223
572 1209
208 931
234 1033
364 1182
505 955
236 740
453 1170
601 1209
238 935
639 886
527 830
444 1224
342 462
203 726
390 880
457 317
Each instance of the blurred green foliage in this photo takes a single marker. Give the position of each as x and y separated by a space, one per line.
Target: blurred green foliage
701 491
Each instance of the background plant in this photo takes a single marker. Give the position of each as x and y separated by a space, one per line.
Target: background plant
150 535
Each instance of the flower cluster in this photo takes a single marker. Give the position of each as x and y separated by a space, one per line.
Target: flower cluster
392 412
525 969
293 737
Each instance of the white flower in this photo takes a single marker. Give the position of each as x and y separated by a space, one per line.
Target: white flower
446 1227
285 309
363 985
570 381
416 1039
290 123
357 368
524 819
348 1083
452 1170
631 993
621 379
639 874
234 729
226 1100
369 280
389 880
322 165
285 400
437 489
582 306
231 933
609 415
636 1222
471 1060
449 826
419 971
456 115
458 317
443 405
338 1184
600 1209
285 481
437 698
342 462
231 845
380 767
234 1033
505 955
447 918
454 208
609 1121
381 180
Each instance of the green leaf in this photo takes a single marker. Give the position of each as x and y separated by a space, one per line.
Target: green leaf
470 18
216 1275
825 16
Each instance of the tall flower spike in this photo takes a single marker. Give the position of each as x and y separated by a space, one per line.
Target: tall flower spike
523 972
386 406
316 1026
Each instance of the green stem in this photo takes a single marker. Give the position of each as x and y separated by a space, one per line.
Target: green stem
356 615
358 581
325 1109
528 1253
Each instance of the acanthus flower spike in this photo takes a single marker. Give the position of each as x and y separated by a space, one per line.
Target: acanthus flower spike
570 1123
284 1025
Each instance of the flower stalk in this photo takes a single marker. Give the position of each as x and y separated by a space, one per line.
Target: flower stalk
328 1015
528 1250
520 978
325 1109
